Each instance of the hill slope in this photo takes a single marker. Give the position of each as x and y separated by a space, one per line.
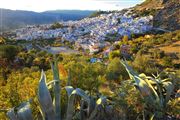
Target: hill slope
166 13
169 16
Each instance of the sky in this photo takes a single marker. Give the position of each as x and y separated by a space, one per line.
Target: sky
44 5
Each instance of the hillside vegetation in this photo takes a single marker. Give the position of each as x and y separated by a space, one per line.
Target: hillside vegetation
136 77
21 72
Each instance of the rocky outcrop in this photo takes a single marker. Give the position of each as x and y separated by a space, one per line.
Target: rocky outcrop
168 17
166 13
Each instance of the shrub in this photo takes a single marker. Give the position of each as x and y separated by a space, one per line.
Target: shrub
115 70
56 25
155 91
167 61
8 52
89 105
114 54
158 54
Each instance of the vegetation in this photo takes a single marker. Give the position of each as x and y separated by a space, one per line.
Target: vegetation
129 95
56 25
97 13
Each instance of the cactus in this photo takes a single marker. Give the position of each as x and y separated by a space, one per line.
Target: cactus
50 111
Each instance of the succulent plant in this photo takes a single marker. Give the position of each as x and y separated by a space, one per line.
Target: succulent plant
155 91
50 108
23 112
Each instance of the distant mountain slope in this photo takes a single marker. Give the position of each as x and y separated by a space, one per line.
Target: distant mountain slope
12 19
166 13
168 17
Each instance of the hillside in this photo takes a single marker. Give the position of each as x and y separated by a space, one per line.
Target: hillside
12 19
166 13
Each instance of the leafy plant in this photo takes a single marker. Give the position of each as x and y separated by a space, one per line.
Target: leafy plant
155 91
50 106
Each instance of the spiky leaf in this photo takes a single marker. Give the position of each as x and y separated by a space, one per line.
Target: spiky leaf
45 99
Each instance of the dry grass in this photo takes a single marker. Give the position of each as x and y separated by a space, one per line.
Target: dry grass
173 48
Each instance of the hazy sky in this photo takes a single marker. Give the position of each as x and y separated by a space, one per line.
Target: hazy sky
43 5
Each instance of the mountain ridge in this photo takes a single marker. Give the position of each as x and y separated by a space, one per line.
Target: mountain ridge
12 19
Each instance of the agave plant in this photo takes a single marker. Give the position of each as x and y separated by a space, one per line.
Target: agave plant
23 112
155 91
50 107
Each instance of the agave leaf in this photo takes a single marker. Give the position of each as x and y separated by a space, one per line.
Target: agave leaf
152 117
71 96
83 110
69 90
99 102
41 112
155 94
143 76
45 99
129 69
81 93
144 89
11 114
57 90
143 85
169 89
24 111
152 82
52 82
70 108
166 80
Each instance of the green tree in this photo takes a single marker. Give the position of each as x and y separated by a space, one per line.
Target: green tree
8 52
56 25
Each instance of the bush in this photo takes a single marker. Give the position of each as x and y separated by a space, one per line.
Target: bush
8 52
56 25
167 61
158 54
143 63
114 54
115 70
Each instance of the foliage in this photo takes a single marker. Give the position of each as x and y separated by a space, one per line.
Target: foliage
88 110
155 91
125 39
130 108
143 63
158 54
8 52
101 78
56 25
114 54
167 61
116 71
2 40
85 75
148 12
97 13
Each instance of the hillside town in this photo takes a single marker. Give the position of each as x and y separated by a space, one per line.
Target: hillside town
90 33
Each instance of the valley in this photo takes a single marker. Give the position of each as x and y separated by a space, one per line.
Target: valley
108 65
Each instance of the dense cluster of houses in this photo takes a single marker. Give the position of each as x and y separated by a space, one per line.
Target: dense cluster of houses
90 33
